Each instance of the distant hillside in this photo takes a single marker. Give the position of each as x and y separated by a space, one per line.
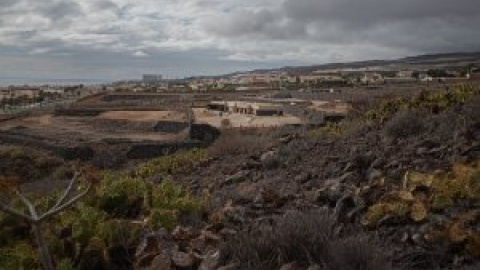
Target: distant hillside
415 62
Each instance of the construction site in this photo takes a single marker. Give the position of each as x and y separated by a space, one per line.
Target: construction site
144 125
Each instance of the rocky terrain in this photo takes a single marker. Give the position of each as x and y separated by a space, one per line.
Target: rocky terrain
396 186
368 187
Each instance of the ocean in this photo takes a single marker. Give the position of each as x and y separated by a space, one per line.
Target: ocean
52 82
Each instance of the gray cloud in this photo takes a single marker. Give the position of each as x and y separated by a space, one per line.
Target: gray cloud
61 11
266 23
377 11
121 37
417 26
7 3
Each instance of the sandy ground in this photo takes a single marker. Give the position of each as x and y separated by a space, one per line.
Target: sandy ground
79 129
143 115
242 120
330 107
83 129
37 121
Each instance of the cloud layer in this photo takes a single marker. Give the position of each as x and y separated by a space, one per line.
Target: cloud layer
124 38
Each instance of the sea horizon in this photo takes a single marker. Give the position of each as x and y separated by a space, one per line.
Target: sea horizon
21 81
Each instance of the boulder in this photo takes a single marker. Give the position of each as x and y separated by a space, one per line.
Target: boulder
182 259
291 266
231 266
161 262
267 155
237 178
374 175
211 261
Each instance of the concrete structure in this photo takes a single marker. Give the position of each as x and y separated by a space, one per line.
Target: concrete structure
405 73
4 94
399 80
372 78
253 108
320 78
423 77
53 91
19 92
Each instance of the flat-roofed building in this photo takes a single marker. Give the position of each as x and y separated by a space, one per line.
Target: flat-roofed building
242 107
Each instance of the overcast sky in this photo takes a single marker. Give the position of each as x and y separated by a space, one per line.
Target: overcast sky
115 39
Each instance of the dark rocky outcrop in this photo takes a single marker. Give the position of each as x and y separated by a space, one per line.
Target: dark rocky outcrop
204 132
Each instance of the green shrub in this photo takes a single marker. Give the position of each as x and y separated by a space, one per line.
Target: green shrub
118 232
65 264
26 165
102 220
85 222
169 195
170 164
119 193
163 218
20 256
169 201
433 102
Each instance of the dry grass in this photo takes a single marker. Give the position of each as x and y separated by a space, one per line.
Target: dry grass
405 124
306 238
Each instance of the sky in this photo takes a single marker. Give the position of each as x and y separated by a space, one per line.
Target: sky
122 39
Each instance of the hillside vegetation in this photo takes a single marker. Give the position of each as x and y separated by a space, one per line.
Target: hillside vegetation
394 187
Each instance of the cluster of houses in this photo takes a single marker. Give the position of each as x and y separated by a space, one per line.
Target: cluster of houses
333 77
289 80
269 80
33 93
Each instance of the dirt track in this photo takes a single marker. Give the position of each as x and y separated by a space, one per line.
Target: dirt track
143 115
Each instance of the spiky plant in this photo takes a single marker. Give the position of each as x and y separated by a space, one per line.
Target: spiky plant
36 219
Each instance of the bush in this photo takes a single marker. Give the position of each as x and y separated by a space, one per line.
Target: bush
405 124
26 165
89 233
109 157
296 237
170 201
305 238
85 222
20 256
434 102
171 164
472 110
356 253
122 196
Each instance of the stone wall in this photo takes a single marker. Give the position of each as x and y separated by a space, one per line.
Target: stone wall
170 126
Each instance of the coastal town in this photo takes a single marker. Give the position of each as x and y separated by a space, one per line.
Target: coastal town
249 81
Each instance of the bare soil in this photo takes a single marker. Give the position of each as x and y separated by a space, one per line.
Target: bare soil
143 115
243 120
93 129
